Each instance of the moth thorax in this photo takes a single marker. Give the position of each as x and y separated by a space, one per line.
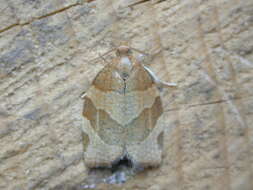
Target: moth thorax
125 66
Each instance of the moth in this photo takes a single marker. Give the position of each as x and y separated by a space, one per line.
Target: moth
123 114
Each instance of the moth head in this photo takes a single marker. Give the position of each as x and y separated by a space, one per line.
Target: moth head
123 51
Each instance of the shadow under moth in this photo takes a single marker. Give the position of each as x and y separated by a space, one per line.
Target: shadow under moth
123 114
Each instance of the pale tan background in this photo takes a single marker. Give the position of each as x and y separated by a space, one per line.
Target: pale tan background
206 47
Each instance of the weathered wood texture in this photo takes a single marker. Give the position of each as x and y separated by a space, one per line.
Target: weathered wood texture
206 46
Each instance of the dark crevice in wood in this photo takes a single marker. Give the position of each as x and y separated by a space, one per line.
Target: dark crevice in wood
41 17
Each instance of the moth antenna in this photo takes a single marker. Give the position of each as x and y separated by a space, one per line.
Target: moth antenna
113 49
139 51
169 84
101 56
160 84
114 46
83 95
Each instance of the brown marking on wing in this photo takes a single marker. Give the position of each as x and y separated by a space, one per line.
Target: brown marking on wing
106 80
108 129
112 132
143 125
139 79
90 111
86 141
156 111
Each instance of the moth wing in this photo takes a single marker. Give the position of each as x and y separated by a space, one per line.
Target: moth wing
98 149
149 124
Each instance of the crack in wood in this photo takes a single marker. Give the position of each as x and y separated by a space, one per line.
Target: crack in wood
188 106
145 1
41 17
